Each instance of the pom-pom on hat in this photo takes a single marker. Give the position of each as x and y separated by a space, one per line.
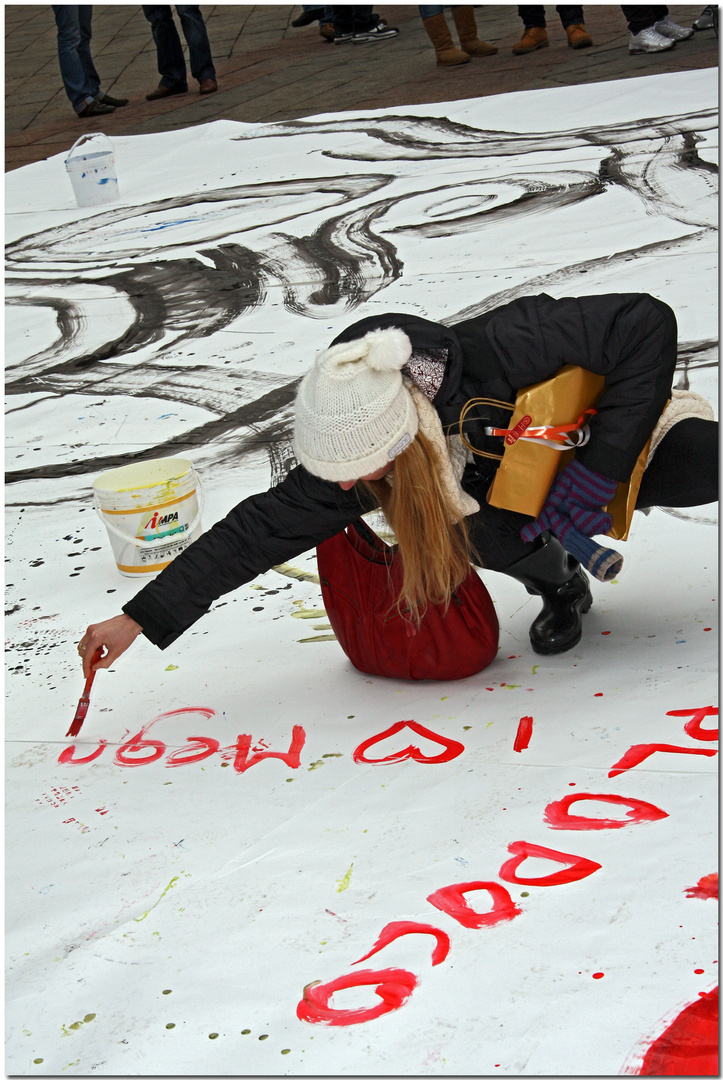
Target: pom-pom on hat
353 412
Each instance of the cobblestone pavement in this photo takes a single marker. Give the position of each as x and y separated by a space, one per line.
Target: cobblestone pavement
269 70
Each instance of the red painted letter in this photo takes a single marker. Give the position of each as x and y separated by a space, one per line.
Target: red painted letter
68 757
135 745
187 755
557 814
451 900
693 727
242 761
576 868
452 748
524 734
394 930
641 751
392 985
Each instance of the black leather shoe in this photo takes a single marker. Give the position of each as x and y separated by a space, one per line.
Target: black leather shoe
114 102
96 109
550 572
165 91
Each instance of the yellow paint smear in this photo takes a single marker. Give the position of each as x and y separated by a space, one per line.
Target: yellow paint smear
170 885
307 613
294 572
343 883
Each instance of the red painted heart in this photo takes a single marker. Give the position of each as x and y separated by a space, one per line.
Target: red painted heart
576 867
452 748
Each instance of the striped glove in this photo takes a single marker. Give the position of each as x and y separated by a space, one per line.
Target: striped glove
573 512
576 498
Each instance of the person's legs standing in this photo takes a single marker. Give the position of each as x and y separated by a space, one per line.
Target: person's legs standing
85 17
532 15
359 23
435 24
573 23
171 65
652 29
196 35
79 76
641 16
535 35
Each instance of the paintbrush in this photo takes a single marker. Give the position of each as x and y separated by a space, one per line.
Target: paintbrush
83 705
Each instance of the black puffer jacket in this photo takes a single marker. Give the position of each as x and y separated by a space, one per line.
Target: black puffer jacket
629 338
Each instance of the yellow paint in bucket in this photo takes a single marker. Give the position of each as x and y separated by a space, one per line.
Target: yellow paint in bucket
152 511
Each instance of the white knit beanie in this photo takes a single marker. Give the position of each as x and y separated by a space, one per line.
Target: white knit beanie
353 412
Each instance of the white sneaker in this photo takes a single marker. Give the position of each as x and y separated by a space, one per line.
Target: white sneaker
649 40
671 30
380 32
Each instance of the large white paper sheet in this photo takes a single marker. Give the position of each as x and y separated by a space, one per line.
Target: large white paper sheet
168 903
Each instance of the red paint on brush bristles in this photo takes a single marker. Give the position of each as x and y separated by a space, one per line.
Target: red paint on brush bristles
84 704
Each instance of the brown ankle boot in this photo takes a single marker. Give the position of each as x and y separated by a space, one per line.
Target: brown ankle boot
534 37
447 53
467 31
578 37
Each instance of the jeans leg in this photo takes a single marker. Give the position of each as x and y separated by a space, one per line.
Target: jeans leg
428 10
171 65
71 67
196 35
85 16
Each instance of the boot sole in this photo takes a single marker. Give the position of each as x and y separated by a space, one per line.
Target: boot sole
524 52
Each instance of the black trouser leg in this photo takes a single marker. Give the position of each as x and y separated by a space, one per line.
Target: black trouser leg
684 468
570 15
640 16
532 15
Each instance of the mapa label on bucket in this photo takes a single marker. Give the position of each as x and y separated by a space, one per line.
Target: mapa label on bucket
157 526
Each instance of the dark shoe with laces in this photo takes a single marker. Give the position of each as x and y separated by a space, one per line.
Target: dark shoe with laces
380 32
114 102
96 108
162 91
550 572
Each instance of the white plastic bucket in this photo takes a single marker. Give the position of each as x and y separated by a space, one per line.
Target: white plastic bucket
93 174
152 511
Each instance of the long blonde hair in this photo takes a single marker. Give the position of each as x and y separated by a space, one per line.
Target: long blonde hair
433 542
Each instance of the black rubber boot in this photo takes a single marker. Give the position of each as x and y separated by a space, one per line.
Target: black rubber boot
559 579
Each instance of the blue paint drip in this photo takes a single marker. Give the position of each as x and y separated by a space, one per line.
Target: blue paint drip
169 225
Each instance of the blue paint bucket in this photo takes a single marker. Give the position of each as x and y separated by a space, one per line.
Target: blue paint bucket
92 174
